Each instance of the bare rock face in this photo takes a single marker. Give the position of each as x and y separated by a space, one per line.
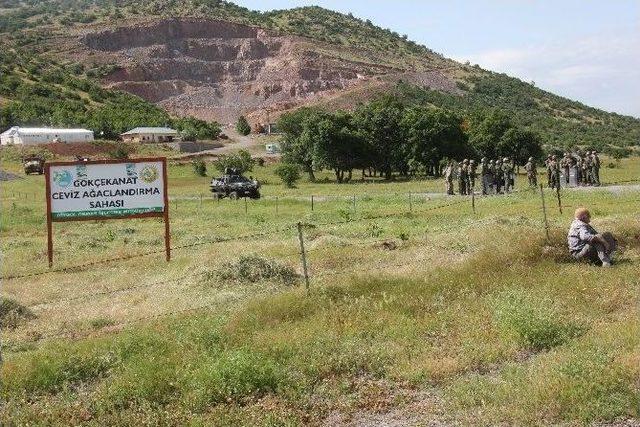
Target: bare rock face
217 70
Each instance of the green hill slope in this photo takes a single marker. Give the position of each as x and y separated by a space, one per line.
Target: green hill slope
34 27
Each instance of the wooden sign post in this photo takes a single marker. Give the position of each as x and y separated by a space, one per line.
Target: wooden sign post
107 189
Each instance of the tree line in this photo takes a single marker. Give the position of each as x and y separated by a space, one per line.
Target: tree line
387 137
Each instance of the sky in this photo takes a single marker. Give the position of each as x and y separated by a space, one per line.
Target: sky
586 50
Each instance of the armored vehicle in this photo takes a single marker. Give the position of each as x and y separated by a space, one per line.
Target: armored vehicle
233 185
33 164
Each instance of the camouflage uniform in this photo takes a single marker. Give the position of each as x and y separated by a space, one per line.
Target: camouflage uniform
449 175
472 176
532 175
499 176
586 168
555 172
506 173
578 162
547 163
463 177
566 164
492 176
595 168
484 175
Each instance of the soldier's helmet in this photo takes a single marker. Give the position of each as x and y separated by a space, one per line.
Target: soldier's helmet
549 156
465 161
484 159
594 152
531 159
491 162
506 159
553 157
472 161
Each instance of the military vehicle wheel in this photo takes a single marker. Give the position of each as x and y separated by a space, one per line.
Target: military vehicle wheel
233 195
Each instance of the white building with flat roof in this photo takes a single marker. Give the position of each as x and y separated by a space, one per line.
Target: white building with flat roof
28 136
150 134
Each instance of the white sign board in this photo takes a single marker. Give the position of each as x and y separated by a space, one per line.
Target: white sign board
126 188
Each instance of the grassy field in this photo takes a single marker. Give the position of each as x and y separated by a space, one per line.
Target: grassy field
420 310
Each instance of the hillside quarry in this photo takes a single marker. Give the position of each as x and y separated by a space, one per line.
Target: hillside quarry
217 70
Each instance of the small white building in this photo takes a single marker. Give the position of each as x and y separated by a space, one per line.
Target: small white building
272 148
27 136
150 134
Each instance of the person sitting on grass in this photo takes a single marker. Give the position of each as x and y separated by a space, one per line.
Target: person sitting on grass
585 243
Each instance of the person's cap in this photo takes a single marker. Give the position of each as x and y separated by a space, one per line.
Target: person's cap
581 213
531 159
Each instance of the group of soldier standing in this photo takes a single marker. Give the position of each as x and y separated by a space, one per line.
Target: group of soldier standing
498 176
587 169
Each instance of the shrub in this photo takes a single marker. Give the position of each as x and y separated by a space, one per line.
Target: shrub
536 324
13 313
231 377
288 173
242 126
252 268
119 152
200 167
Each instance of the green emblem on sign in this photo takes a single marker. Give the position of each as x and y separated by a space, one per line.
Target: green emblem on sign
62 179
149 174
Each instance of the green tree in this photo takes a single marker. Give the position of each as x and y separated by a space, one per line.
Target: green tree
520 144
241 161
288 173
378 122
298 137
487 132
242 126
432 134
338 146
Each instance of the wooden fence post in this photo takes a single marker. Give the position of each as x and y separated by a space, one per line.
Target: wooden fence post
473 201
559 200
303 257
544 213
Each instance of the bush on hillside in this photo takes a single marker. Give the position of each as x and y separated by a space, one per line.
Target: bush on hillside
288 173
242 126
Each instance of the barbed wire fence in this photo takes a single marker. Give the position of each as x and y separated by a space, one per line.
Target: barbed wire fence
308 274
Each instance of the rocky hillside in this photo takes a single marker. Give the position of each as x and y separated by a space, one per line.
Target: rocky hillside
214 60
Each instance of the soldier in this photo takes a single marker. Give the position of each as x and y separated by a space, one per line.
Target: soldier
506 173
449 175
595 168
462 177
472 175
499 176
578 162
586 168
492 176
547 164
532 175
566 164
484 175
